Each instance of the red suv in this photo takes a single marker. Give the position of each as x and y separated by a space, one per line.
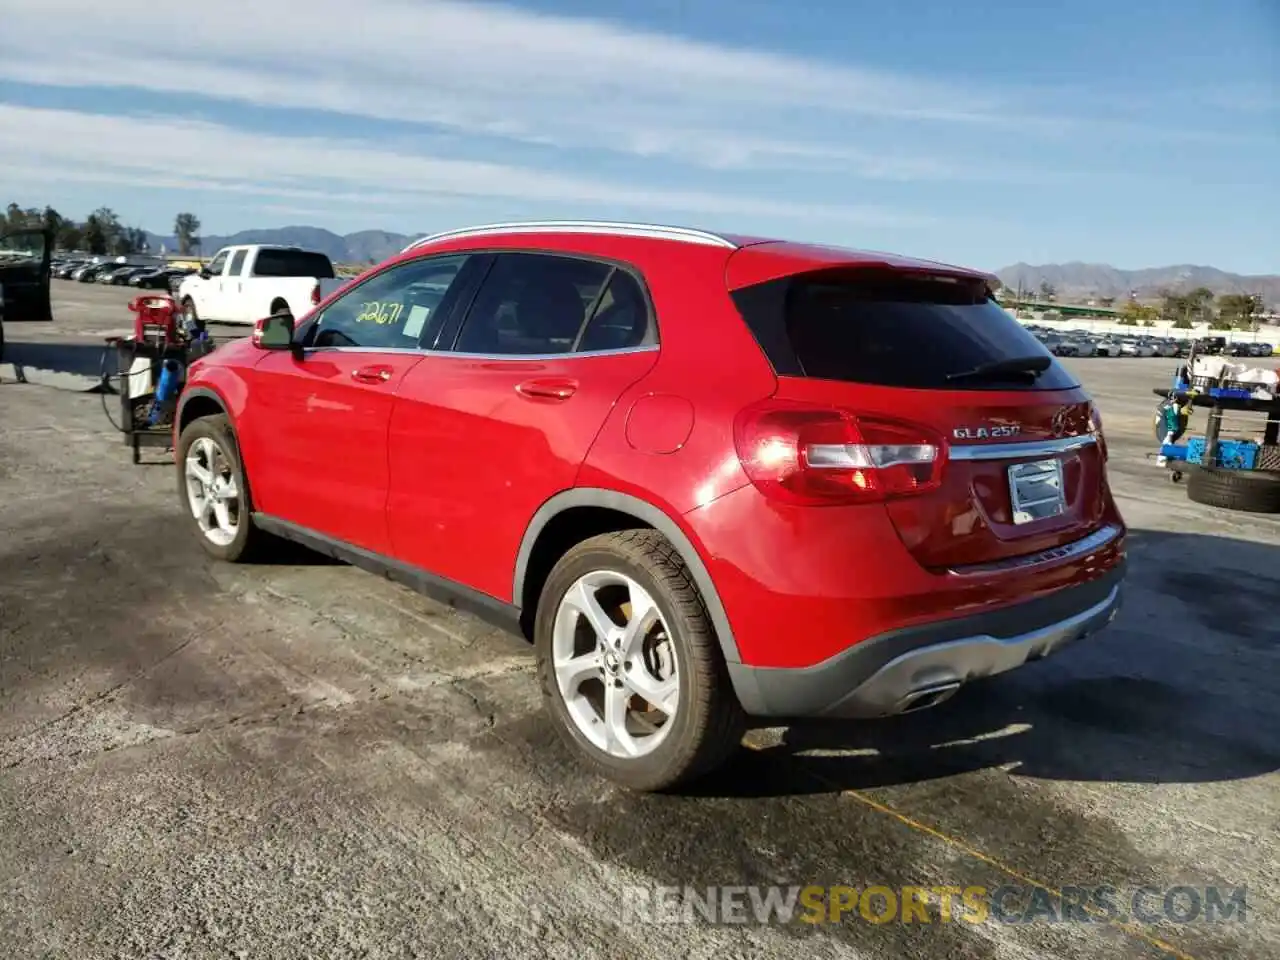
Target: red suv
712 477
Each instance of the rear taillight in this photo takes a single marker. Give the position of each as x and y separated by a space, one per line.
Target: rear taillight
824 456
315 294
1095 427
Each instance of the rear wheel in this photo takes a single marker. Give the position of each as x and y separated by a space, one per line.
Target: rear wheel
1252 491
629 663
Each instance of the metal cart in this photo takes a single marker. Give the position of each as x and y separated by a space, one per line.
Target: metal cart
150 368
1222 472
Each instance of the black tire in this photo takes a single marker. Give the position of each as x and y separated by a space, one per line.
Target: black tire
249 542
709 723
281 309
1251 491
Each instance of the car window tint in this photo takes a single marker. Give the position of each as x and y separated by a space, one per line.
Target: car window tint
896 330
621 319
531 304
273 262
395 309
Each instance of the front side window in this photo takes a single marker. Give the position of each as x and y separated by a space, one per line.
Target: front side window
397 309
532 304
218 262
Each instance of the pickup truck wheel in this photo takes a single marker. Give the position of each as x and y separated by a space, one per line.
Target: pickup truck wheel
214 491
630 666
281 309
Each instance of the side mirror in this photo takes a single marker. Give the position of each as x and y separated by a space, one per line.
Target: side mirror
273 333
204 273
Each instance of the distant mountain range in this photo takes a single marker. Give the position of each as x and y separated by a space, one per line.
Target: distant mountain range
361 247
1076 281
1070 280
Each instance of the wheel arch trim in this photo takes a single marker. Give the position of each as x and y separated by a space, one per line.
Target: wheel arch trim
654 517
207 393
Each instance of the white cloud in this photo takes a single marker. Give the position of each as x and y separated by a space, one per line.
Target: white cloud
496 70
60 146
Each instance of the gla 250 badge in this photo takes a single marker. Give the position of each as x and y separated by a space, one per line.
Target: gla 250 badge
985 433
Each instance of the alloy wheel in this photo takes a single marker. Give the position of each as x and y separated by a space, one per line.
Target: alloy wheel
212 491
615 664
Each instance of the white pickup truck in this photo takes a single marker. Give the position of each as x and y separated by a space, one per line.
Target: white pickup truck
243 284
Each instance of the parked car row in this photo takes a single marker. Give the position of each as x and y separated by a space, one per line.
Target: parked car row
1086 343
145 276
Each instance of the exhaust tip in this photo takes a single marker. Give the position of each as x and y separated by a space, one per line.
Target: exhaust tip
929 696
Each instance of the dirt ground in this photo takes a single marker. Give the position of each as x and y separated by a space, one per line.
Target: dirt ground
303 760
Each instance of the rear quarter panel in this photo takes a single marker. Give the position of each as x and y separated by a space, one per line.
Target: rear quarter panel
709 368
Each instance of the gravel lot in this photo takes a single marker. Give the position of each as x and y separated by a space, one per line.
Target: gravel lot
303 760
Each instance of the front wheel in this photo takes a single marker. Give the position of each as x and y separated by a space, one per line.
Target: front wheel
213 489
629 663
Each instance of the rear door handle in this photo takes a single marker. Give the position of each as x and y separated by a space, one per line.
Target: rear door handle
552 388
375 374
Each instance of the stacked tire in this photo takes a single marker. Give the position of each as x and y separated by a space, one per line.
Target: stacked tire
1249 491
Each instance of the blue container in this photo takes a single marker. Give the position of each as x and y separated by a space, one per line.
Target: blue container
166 390
1174 451
1231 393
1232 454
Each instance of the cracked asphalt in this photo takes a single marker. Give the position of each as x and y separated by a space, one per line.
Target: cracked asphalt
304 760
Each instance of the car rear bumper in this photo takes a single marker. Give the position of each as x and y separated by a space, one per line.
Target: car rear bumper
921 666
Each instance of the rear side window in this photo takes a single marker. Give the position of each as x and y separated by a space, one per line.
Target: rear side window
891 330
621 319
532 304
292 263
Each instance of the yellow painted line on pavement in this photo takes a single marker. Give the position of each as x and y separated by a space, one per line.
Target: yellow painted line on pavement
967 848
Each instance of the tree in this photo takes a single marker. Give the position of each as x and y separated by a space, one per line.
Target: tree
70 235
186 228
95 235
1134 313
51 220
1239 310
101 232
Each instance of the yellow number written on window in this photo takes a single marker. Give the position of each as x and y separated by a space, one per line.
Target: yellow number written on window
380 313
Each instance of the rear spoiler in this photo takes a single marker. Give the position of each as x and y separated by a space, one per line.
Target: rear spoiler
772 260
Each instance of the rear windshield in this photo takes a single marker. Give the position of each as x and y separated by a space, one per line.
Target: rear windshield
891 330
292 263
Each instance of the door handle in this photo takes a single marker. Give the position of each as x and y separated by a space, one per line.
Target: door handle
553 388
378 374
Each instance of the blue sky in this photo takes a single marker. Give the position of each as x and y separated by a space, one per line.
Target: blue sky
980 134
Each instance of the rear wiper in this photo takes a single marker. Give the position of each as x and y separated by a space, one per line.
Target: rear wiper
1012 368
